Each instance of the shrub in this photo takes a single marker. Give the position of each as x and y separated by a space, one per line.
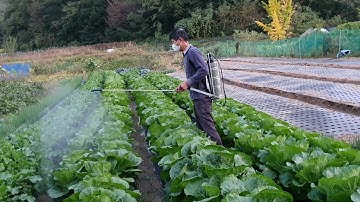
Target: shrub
249 36
350 25
200 24
92 64
305 18
10 45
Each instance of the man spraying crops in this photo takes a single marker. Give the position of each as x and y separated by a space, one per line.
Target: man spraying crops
196 72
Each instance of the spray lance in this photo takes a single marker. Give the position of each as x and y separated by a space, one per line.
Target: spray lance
214 82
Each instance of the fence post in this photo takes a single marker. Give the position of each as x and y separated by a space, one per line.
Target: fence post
315 45
322 46
339 42
228 49
300 47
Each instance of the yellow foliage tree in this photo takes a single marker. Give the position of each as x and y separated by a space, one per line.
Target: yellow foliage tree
280 11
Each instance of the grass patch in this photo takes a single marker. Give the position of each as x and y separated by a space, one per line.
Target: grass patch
79 60
48 67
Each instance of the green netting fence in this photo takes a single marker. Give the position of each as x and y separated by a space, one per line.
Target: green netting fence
317 44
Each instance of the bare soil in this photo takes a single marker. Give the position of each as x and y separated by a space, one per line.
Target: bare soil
301 76
303 63
337 106
341 107
44 198
148 181
349 138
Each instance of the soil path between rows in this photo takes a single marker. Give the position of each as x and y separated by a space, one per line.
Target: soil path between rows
148 181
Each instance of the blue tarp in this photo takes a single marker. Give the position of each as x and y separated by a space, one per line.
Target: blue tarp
17 69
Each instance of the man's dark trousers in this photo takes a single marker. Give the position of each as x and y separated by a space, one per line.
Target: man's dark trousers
204 119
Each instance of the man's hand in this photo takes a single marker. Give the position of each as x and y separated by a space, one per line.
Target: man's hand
182 87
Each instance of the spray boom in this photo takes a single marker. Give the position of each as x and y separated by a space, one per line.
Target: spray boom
129 90
145 90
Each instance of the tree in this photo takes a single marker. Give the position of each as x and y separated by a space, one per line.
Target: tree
83 22
153 13
52 13
305 18
200 24
16 23
280 11
330 8
10 45
118 12
42 23
36 25
237 15
117 20
23 20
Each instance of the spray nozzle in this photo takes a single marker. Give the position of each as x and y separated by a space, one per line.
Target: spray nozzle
96 90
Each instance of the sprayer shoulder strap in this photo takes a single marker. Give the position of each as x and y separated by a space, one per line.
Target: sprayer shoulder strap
206 79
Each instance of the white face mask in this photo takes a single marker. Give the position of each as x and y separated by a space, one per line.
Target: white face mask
175 47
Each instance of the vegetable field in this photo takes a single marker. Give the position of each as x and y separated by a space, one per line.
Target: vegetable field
16 98
82 149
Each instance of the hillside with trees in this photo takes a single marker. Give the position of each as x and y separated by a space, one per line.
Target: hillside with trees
36 24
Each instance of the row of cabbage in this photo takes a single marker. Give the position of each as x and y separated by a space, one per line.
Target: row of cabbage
32 153
104 165
21 149
193 167
308 165
20 162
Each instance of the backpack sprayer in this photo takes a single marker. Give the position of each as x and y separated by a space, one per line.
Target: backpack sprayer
214 82
215 77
